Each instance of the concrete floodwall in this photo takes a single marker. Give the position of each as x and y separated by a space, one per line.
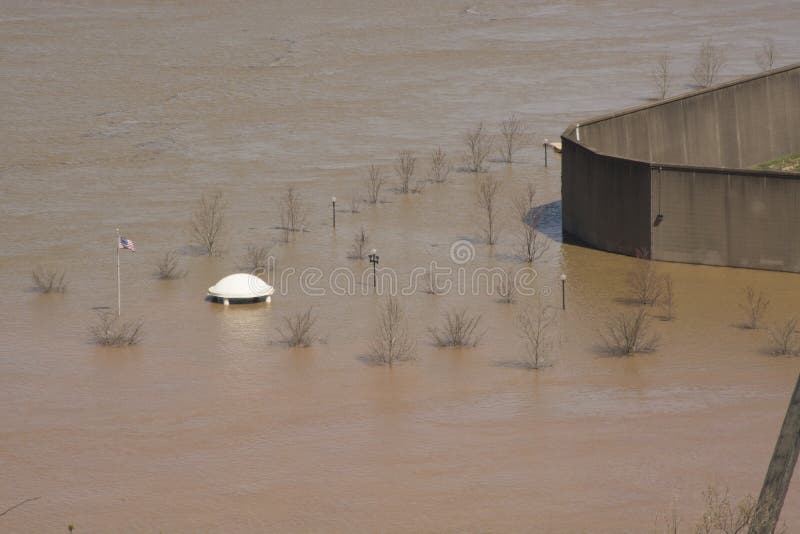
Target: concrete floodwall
683 159
608 200
714 217
735 125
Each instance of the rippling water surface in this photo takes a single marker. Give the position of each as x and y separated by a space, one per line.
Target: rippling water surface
120 114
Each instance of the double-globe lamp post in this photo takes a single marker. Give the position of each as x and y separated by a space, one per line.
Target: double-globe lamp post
333 203
563 291
373 259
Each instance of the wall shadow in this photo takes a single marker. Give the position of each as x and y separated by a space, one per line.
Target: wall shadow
550 221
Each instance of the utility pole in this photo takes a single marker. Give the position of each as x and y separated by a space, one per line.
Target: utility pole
779 472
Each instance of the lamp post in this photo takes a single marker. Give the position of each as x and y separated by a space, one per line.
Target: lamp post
545 152
563 291
373 259
333 203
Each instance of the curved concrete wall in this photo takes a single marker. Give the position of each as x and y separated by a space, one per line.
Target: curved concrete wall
683 158
606 203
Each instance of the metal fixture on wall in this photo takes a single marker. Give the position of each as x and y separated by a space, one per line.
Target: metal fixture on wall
660 216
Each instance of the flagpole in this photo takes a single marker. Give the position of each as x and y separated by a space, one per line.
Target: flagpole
119 291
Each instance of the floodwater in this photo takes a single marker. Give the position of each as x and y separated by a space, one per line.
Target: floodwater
120 114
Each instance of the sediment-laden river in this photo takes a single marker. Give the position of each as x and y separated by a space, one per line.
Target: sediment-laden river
121 114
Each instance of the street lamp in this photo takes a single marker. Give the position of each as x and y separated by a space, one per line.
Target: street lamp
373 259
333 203
545 152
563 291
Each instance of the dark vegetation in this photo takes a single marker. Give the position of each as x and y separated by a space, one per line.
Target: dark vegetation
49 279
110 330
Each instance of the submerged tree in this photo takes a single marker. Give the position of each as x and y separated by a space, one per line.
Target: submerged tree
293 213
404 167
533 326
662 75
440 166
765 57
506 288
359 247
710 60
460 329
355 203
630 333
514 136
49 279
668 297
113 331
531 243
479 146
257 260
646 284
488 188
754 306
208 222
168 267
374 184
784 338
721 516
392 342
299 329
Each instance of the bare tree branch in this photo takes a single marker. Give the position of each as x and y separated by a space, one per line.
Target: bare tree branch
629 333
374 184
488 188
459 330
531 243
355 203
533 326
662 75
112 331
783 338
479 146
668 297
710 60
392 342
754 306
440 167
645 283
49 279
256 260
515 136
765 56
168 267
208 221
721 516
293 213
359 246
299 329
404 167
506 289
30 499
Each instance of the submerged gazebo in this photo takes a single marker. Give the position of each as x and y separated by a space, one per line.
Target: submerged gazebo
241 287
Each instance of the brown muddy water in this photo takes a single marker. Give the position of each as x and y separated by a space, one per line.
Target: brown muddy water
119 114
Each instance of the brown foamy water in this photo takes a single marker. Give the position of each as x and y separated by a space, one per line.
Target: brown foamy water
120 114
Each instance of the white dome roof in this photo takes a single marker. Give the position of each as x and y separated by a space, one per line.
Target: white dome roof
241 286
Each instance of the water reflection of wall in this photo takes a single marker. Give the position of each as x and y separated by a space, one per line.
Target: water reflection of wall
681 159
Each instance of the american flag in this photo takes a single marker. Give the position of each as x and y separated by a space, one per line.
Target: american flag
124 242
